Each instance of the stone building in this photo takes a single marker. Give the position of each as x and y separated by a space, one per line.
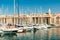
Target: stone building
31 19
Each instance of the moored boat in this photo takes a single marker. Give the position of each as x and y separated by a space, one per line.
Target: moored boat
20 28
28 28
10 30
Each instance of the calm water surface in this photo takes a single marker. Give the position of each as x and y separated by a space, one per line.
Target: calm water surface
50 34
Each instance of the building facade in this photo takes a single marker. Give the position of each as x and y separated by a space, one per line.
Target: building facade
31 19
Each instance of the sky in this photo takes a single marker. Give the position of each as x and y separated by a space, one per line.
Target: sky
29 6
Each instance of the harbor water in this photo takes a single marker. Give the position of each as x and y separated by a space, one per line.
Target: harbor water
49 34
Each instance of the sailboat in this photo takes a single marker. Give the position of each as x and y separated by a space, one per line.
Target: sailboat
28 27
35 25
19 26
10 30
42 25
1 24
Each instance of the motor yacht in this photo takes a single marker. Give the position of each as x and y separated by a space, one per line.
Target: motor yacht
20 28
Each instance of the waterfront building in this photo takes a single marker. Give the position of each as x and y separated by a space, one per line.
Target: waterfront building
38 18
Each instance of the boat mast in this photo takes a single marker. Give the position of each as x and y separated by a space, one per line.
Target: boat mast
18 11
35 14
35 10
41 15
14 12
14 6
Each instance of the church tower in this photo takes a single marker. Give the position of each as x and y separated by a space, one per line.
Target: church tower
49 11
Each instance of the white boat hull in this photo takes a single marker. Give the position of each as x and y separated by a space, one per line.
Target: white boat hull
20 31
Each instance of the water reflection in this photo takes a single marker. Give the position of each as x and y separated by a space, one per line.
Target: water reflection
50 34
10 36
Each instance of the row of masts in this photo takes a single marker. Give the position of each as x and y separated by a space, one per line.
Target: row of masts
28 10
18 11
